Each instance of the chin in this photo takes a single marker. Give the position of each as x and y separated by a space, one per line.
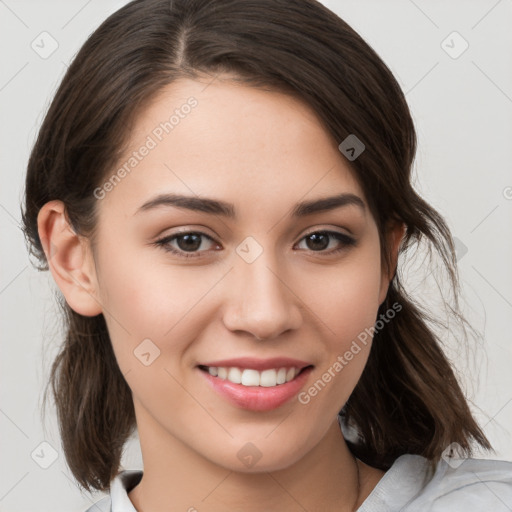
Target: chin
254 458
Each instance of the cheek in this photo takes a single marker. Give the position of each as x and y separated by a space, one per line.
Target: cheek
140 295
347 304
144 301
346 300
346 297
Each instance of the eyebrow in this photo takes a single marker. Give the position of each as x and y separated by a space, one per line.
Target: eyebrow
217 207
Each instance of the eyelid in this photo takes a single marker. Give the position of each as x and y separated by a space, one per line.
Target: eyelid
329 229
185 230
191 230
164 242
347 241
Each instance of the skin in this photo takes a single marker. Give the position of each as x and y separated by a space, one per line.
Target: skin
263 152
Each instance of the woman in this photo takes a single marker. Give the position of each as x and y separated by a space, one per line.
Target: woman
221 190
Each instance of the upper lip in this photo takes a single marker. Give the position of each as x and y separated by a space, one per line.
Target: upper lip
259 364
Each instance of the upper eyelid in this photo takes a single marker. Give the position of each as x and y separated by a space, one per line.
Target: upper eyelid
326 230
173 236
190 231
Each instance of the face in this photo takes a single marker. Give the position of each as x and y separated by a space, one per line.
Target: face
182 288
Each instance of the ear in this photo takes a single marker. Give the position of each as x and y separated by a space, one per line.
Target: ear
69 259
394 234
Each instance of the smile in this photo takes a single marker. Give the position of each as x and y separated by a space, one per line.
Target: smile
256 390
250 377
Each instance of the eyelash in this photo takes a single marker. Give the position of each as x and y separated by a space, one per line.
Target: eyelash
346 242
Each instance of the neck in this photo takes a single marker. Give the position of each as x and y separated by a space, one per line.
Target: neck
178 478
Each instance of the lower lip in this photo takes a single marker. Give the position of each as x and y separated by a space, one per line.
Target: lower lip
257 398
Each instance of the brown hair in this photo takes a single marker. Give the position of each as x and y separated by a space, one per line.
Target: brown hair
408 399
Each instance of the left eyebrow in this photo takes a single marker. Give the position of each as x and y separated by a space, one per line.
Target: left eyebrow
216 207
326 204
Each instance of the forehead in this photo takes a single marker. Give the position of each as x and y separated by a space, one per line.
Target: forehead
223 139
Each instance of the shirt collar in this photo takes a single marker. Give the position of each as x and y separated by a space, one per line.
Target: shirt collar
121 485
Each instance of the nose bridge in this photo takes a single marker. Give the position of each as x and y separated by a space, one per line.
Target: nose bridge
260 299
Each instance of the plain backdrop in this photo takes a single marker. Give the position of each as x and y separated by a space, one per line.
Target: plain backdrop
454 63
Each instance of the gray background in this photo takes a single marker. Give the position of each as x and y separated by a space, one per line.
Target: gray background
462 106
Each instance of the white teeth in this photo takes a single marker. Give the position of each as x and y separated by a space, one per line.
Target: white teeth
268 378
249 377
235 375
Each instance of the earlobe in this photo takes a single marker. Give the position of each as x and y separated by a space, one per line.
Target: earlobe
395 236
69 259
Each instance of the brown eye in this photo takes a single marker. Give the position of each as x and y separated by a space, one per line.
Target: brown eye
319 241
184 244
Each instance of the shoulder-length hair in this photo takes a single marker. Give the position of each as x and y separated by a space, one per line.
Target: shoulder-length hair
408 399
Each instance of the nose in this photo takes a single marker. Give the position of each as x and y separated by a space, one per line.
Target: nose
261 300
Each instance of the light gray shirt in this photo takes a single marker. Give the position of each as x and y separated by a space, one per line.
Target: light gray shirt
469 485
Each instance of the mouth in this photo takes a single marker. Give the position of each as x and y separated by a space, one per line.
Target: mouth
254 390
251 377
